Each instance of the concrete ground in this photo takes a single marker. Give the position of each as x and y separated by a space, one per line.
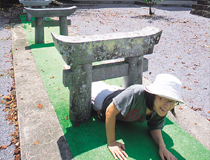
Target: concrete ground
41 133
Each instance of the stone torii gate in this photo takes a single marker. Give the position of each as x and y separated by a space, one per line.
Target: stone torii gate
80 51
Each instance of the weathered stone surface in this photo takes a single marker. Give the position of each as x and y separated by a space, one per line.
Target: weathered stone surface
32 3
35 2
80 51
202 8
39 14
51 12
51 23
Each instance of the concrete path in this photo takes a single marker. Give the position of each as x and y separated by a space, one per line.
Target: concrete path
41 136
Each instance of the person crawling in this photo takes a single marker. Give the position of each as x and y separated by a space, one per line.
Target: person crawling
137 103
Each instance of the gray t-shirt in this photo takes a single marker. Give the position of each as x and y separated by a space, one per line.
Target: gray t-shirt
131 103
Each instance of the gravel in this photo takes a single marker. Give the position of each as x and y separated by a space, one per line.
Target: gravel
9 139
5 84
183 49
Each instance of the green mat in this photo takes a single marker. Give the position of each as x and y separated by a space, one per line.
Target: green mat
88 141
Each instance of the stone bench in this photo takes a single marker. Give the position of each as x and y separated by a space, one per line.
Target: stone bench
79 52
33 3
62 13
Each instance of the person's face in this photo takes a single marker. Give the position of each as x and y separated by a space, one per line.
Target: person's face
163 105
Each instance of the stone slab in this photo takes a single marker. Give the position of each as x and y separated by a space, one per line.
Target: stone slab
51 12
79 49
36 2
51 23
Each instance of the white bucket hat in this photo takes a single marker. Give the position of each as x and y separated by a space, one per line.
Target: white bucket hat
166 85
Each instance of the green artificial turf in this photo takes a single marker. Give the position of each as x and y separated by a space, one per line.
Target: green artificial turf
88 141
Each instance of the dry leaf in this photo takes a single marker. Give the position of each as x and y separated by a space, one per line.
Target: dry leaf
17 157
196 123
180 108
59 88
17 151
3 147
8 103
7 98
208 111
40 106
195 81
37 142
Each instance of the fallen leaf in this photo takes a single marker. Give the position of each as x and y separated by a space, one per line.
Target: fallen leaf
195 81
208 111
17 157
7 98
59 88
8 103
37 142
1 95
5 109
52 77
196 123
3 147
2 101
17 151
180 108
40 106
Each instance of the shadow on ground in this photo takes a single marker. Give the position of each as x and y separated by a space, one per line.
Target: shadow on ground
138 142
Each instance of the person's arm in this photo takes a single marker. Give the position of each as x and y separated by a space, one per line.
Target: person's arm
116 148
158 138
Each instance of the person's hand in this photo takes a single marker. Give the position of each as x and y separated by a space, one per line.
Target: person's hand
117 150
164 153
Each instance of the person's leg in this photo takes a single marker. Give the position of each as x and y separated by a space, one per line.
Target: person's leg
99 92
